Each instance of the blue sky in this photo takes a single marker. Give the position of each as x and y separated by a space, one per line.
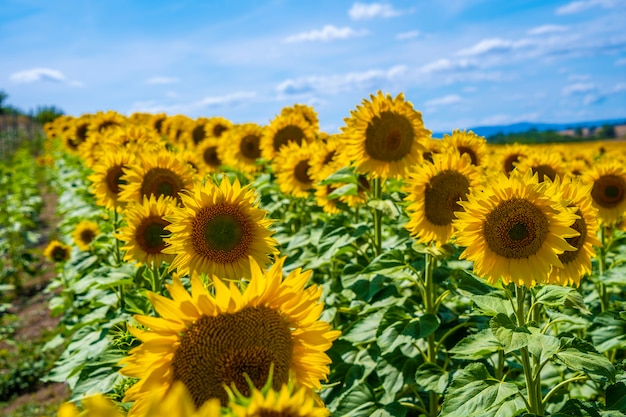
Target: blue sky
461 63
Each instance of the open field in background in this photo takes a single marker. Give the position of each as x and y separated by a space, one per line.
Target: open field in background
376 272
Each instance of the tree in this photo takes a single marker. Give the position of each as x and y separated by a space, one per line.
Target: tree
45 114
3 96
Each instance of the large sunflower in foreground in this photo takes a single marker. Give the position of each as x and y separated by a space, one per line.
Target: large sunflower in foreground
208 340
84 233
218 230
144 232
577 263
435 190
162 173
292 168
107 178
385 136
608 191
288 402
514 228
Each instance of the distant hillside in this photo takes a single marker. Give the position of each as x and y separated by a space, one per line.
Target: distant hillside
521 127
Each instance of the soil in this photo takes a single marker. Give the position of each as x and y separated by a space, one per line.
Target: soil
32 314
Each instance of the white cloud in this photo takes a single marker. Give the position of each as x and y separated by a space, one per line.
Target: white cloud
327 33
37 75
619 87
578 88
341 82
442 65
493 45
582 5
233 99
162 80
444 101
542 30
229 99
621 61
361 11
407 35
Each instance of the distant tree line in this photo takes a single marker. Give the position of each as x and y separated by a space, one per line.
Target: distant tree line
534 136
42 115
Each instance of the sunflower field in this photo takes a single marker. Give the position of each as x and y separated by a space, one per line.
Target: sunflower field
211 268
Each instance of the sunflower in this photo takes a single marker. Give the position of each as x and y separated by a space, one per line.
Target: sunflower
162 173
176 403
241 147
136 138
77 134
578 262
609 190
291 402
506 158
156 122
84 233
218 230
435 190
385 136
326 154
101 121
57 251
209 152
513 229
307 112
282 130
107 178
145 231
466 143
291 166
544 164
207 340
217 126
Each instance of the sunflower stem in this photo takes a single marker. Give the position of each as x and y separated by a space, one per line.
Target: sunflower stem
429 304
156 278
602 292
118 257
534 395
378 217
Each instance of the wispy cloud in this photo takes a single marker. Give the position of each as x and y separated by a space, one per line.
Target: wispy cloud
445 65
339 83
227 100
407 35
582 5
578 88
362 11
35 75
542 30
443 101
621 61
327 33
162 80
493 45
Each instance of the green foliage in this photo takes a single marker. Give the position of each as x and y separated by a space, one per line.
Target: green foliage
46 114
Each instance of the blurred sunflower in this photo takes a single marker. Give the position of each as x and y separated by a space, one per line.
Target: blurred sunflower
609 190
282 130
210 155
208 341
145 231
384 136
241 147
217 126
57 251
513 229
544 164
77 134
326 154
577 263
308 113
466 143
432 147
84 233
136 138
219 230
199 132
156 123
434 191
161 173
102 121
288 402
107 178
506 158
291 166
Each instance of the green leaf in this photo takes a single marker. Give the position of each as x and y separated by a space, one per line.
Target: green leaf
431 377
477 346
552 295
508 333
542 346
588 362
388 208
608 331
616 396
473 392
578 408
343 175
364 329
348 189
357 401
490 305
